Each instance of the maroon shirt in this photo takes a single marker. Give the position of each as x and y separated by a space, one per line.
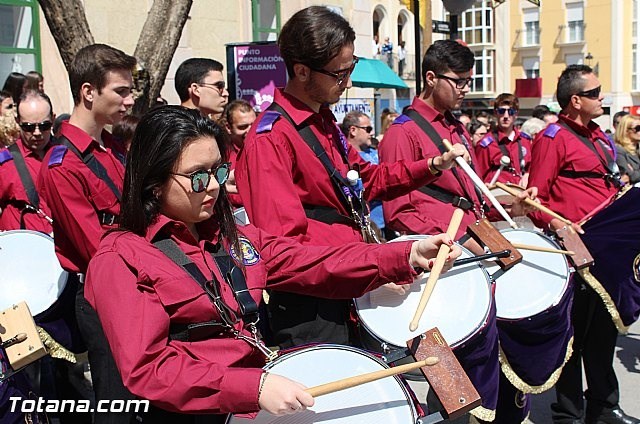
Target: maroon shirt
76 195
13 194
278 175
416 212
556 149
235 199
138 292
488 155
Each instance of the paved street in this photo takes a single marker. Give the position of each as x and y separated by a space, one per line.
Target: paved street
626 363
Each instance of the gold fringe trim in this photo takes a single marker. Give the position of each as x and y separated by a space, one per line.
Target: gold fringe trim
483 413
606 298
55 349
519 384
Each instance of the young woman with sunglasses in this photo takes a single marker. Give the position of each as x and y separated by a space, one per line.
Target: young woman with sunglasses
174 195
627 138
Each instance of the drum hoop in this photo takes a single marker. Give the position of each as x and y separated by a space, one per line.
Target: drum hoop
460 342
565 287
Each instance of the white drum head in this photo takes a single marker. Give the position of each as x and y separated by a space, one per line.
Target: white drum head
30 270
535 284
383 401
459 306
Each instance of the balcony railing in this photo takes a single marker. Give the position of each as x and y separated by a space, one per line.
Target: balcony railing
527 39
409 68
529 87
571 34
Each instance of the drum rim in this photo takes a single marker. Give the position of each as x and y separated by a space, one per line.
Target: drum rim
567 281
362 352
465 339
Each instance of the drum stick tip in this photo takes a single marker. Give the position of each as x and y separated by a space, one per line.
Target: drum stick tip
431 361
413 326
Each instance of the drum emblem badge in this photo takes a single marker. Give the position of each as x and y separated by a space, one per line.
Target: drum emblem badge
636 268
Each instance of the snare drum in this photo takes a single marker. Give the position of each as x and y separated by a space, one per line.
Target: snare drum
533 301
387 400
462 308
30 272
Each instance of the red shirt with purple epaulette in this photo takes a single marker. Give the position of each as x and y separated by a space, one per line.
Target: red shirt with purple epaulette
489 153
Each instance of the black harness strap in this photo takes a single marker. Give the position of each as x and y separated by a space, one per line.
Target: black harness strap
25 176
505 152
445 196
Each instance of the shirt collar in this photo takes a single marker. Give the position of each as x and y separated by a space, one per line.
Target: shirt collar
590 129
81 140
208 229
298 110
28 152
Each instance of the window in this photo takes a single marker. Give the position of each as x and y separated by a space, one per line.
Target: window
531 67
483 72
475 25
19 37
531 27
265 19
575 22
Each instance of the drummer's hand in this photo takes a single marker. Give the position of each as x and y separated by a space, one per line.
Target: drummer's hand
230 186
448 160
519 207
398 289
281 396
524 181
423 252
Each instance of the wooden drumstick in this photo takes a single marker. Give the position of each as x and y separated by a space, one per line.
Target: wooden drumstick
347 383
533 203
481 185
542 249
438 264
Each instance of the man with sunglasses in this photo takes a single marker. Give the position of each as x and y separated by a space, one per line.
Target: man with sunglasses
292 172
573 167
22 207
200 85
507 141
81 179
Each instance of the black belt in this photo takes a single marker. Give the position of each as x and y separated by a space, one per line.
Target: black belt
328 215
447 197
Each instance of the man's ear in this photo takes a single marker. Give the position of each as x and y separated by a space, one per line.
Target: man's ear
87 92
430 79
301 71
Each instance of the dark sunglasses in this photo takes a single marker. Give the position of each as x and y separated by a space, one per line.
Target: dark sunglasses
368 128
31 127
200 179
594 93
502 110
219 85
459 82
341 75
635 129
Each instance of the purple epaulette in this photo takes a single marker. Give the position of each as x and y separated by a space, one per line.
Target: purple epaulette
526 136
57 155
486 140
5 156
552 130
401 120
266 122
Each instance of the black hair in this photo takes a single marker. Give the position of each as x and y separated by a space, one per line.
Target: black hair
14 84
447 55
193 70
160 137
571 82
314 36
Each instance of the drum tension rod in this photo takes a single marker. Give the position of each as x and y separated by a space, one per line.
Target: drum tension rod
501 254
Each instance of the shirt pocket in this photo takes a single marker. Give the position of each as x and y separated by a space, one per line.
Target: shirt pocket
104 199
183 298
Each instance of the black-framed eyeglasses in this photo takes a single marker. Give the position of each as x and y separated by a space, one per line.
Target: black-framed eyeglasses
460 83
635 129
218 85
368 128
594 93
201 178
341 75
31 127
502 110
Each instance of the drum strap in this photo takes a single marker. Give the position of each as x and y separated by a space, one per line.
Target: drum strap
235 278
445 196
94 165
25 176
505 152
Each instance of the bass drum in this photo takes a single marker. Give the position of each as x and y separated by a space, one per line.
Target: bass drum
387 400
30 272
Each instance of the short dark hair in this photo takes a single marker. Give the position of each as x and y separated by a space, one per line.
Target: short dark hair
14 84
571 82
33 94
507 99
193 70
352 119
125 128
618 115
92 64
474 125
314 36
239 104
541 111
34 78
447 55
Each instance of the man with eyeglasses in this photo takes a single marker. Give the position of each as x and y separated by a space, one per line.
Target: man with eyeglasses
81 180
573 167
20 164
505 140
292 172
200 85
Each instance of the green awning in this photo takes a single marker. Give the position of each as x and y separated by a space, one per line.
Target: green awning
373 73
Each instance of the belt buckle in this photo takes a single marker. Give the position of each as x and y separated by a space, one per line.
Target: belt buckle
462 203
108 221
